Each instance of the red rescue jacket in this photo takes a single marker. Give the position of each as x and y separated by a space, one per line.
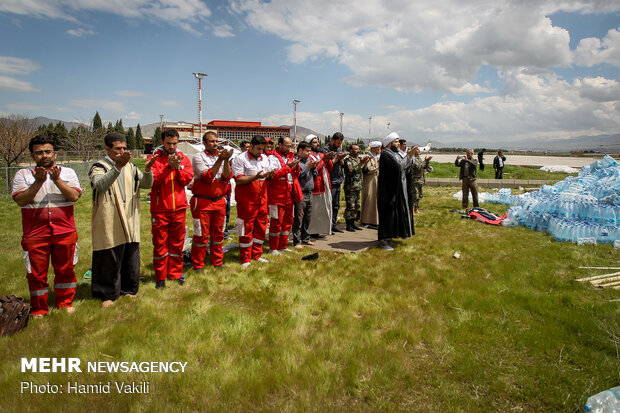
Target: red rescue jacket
168 189
280 190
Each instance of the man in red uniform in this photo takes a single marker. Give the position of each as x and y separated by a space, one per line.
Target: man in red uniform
211 176
46 194
281 195
172 171
250 170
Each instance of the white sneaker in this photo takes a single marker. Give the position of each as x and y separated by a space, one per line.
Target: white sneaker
246 264
275 252
386 246
261 259
286 250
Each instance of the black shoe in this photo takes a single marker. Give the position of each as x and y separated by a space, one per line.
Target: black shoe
336 229
160 284
349 226
355 227
181 281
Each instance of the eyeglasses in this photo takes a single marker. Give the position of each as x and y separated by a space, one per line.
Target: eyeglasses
39 153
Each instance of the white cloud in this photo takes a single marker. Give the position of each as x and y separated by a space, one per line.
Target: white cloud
16 65
223 30
80 32
170 103
184 13
10 83
130 93
23 106
592 51
406 45
533 105
107 105
132 116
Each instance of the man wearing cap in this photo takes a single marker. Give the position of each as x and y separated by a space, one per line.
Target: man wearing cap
335 175
394 218
321 221
46 193
370 216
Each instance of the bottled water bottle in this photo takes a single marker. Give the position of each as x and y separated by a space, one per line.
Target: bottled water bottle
605 401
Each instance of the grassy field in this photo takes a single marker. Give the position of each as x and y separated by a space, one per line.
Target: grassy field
448 170
503 328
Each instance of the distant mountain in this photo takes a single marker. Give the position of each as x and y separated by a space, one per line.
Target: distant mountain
599 143
40 120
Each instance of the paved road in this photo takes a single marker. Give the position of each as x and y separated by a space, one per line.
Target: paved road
522 160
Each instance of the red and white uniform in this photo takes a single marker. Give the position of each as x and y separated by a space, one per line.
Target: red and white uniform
280 200
168 206
208 209
251 205
49 230
319 181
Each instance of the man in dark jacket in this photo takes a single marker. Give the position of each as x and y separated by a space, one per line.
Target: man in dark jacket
335 175
467 176
498 165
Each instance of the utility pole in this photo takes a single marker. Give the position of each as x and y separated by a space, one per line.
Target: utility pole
199 76
295 102
341 115
369 119
161 122
388 126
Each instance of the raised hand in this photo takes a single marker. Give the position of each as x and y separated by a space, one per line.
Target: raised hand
329 155
174 161
428 158
293 163
55 173
122 159
40 174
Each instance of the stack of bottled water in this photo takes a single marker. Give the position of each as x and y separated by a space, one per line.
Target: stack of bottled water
584 209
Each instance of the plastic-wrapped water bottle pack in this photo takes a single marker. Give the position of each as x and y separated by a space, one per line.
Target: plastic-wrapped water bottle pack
584 209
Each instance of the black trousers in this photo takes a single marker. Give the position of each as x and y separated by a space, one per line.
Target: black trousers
335 202
301 220
499 173
116 271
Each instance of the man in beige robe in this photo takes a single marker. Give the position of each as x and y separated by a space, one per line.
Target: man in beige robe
370 215
116 186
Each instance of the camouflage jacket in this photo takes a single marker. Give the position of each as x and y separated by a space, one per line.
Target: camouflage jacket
352 174
416 170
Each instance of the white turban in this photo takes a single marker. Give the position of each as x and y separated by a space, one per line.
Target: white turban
374 144
390 138
310 137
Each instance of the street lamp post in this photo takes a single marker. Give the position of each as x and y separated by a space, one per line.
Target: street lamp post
341 115
199 76
369 119
161 121
295 102
388 126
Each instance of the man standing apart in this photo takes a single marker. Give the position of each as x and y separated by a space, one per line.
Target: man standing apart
116 221
467 175
306 172
281 195
335 175
370 216
321 221
481 159
394 218
46 193
353 185
172 171
416 179
212 173
498 165
250 170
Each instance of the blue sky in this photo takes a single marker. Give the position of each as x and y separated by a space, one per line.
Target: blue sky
443 70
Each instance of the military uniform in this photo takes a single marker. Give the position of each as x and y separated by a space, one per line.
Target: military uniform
352 186
416 181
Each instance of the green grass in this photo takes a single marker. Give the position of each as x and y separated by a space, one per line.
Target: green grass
448 170
503 328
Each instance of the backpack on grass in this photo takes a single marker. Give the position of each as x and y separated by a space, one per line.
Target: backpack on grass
14 314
